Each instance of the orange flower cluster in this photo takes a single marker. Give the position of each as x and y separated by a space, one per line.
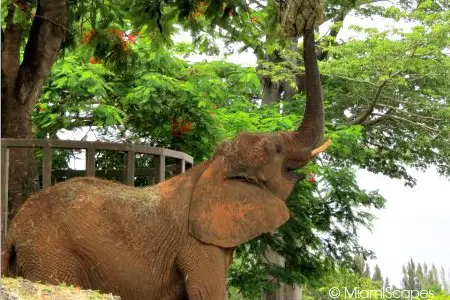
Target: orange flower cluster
87 38
180 127
125 38
199 10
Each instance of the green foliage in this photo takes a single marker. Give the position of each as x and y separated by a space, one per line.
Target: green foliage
409 124
346 282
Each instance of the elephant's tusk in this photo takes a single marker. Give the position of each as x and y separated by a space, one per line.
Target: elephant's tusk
322 148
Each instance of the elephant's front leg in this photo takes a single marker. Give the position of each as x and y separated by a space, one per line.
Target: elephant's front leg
204 268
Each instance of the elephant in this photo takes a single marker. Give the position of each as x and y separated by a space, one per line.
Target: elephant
174 240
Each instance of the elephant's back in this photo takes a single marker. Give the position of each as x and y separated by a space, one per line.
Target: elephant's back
87 193
110 233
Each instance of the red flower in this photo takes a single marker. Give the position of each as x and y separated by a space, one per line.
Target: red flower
132 38
312 178
118 32
93 60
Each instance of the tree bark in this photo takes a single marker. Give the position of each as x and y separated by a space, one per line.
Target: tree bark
272 257
271 91
285 291
293 292
22 84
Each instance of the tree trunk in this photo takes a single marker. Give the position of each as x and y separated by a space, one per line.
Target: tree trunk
22 84
271 91
293 292
285 291
23 171
272 257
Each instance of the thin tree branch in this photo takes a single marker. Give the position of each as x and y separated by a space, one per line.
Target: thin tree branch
396 100
355 80
408 113
377 145
369 110
372 122
408 121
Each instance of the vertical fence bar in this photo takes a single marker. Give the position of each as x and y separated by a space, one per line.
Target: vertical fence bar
160 168
4 174
47 167
90 162
131 155
181 166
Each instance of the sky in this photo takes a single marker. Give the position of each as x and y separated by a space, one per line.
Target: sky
415 222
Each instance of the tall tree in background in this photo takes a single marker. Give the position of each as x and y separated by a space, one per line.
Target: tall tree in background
23 78
367 271
358 264
419 276
444 280
377 274
387 283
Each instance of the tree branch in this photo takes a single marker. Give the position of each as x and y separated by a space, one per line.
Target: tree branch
372 122
369 110
377 145
408 113
396 100
355 80
408 121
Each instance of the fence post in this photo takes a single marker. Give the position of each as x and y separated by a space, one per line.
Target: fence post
160 168
4 174
181 166
130 168
90 162
47 167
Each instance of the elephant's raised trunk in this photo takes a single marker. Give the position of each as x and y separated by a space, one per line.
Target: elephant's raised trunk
310 131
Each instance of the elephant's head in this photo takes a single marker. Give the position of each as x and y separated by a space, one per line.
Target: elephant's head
243 188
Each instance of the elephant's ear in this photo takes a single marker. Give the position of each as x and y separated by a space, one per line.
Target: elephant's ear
227 213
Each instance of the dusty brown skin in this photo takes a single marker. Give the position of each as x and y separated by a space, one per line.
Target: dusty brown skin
174 240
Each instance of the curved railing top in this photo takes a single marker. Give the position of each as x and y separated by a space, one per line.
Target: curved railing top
144 149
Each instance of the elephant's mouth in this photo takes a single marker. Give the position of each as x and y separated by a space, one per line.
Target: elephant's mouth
290 169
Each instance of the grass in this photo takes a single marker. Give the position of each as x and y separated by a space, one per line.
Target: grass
22 289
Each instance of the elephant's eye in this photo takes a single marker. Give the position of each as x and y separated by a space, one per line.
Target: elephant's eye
279 148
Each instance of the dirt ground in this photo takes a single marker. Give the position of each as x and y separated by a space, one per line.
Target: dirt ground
22 289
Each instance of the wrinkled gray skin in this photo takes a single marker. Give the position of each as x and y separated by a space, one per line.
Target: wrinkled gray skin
174 240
